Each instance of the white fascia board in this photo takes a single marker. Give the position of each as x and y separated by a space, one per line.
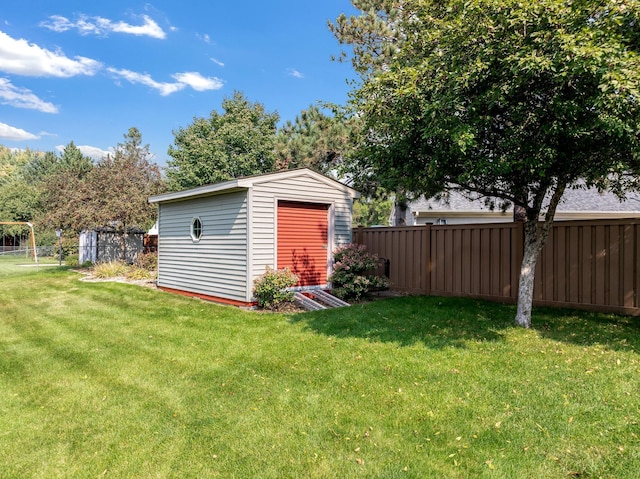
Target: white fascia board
195 192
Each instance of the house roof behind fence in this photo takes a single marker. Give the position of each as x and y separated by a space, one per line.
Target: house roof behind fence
573 200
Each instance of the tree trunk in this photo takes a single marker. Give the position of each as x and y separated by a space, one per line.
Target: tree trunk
400 215
527 274
535 237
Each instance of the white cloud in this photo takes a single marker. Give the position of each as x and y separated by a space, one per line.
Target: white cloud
198 82
205 38
295 73
103 26
90 151
11 133
23 58
217 62
191 79
145 79
23 98
149 28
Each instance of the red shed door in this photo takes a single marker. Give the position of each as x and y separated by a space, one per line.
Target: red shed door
303 233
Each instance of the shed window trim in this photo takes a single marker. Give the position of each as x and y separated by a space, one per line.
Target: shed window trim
196 229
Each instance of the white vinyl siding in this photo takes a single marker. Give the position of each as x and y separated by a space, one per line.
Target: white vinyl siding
216 265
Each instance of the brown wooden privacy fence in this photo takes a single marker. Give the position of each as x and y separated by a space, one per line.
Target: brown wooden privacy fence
585 264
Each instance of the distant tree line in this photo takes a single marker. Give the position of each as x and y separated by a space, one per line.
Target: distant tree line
71 192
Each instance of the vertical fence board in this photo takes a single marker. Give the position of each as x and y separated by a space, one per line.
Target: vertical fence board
562 265
628 262
587 266
600 265
476 262
428 259
485 264
497 259
573 245
549 267
457 261
466 266
449 259
613 286
517 254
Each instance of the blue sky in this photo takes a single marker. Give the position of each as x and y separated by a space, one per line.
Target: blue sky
88 71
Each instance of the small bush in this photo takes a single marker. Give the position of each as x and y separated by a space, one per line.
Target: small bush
349 278
72 260
270 288
139 274
148 261
111 269
69 249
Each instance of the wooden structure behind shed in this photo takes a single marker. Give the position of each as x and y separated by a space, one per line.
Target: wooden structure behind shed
104 244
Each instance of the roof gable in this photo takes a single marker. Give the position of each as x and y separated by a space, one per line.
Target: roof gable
248 182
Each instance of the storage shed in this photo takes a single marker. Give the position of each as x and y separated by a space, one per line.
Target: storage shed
104 244
215 240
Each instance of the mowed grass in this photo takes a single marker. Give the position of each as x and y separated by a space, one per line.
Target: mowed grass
116 380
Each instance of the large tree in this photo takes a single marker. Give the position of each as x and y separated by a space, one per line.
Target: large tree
314 140
18 194
112 192
502 99
238 142
120 185
65 197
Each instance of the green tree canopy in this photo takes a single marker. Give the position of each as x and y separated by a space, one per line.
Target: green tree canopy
73 161
121 185
372 209
41 166
13 162
64 197
314 140
113 192
505 99
238 142
19 197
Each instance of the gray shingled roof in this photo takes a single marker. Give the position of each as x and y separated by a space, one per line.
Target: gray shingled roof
573 200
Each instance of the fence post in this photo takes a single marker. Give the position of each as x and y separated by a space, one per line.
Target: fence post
357 235
426 260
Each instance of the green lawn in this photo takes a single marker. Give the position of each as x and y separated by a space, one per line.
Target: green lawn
116 380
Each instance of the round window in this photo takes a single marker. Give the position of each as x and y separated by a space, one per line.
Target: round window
196 229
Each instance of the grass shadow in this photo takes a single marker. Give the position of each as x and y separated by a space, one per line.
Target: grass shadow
433 321
583 328
440 322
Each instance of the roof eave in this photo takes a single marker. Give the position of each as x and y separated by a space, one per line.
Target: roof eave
205 190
